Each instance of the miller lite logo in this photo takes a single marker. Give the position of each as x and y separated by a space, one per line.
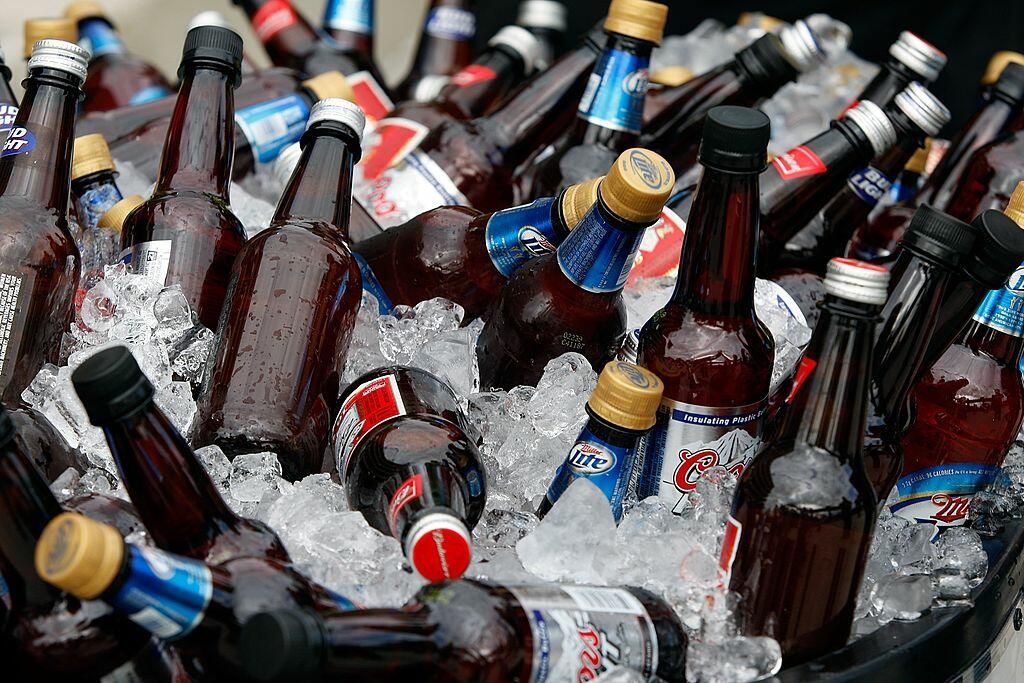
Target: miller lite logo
1016 282
952 509
534 241
799 162
589 459
636 83
647 168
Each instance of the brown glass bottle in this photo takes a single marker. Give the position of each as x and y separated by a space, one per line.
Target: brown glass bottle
547 20
39 260
794 553
8 100
33 434
445 47
349 23
185 233
911 58
175 497
473 631
290 310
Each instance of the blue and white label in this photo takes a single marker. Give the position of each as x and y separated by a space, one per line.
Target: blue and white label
98 37
164 594
596 255
349 15
372 285
1003 309
614 97
516 235
8 114
942 495
95 202
271 126
20 140
606 465
452 23
869 184
148 94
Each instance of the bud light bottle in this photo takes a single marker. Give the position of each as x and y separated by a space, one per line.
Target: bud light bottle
446 46
572 300
408 458
707 345
349 23
621 409
547 20
8 100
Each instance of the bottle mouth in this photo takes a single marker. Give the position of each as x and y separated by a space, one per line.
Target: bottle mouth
875 125
923 108
438 547
918 55
60 55
857 281
802 46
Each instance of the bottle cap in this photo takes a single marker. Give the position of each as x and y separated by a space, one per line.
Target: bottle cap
918 55
671 76
802 46
919 162
548 14
341 111
116 215
215 46
111 385
1010 84
84 9
438 548
520 41
638 185
627 395
330 84
284 644
60 28
939 235
209 18
765 22
61 55
735 139
79 555
91 155
855 280
998 63
875 125
285 163
923 108
1015 207
768 63
640 19
577 200
999 247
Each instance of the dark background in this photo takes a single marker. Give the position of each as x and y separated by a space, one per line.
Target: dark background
969 31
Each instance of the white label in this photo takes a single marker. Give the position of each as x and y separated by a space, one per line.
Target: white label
406 190
151 259
367 406
10 294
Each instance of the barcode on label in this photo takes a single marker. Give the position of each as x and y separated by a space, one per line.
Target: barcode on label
596 599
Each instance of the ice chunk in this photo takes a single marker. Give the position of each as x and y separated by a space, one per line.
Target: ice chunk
65 485
406 329
253 212
903 598
451 356
960 564
252 474
810 478
189 352
734 659
131 180
216 463
172 312
565 386
645 297
364 348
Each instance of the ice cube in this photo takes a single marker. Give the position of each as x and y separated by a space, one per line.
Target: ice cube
252 474
960 564
407 328
557 405
903 598
172 312
810 478
451 356
364 348
645 297
189 353
216 463
99 310
131 180
734 659
65 485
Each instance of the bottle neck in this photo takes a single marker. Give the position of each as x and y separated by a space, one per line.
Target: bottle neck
320 188
611 110
199 149
95 194
8 98
892 78
285 34
357 641
997 329
350 24
448 32
98 36
598 254
483 83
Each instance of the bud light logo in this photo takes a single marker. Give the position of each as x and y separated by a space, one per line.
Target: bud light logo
636 83
20 140
647 168
8 113
587 459
534 241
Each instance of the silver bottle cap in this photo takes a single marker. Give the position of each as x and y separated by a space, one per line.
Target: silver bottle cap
522 41
209 18
873 122
342 111
918 55
802 46
60 55
923 108
285 163
542 14
855 280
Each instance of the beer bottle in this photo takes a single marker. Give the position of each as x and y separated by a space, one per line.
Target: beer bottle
39 261
57 28
621 410
185 233
804 511
707 345
291 307
474 631
408 459
571 300
911 58
908 183
116 77
93 183
445 47
547 20
175 497
8 100
610 114
349 23
35 435
465 256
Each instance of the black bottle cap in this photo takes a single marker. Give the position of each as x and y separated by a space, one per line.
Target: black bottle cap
735 139
998 249
6 426
214 46
111 385
939 235
1010 84
285 644
766 62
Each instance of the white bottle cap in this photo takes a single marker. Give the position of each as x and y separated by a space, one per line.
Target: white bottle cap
855 280
875 124
522 42
209 18
923 108
918 55
340 110
548 14
61 55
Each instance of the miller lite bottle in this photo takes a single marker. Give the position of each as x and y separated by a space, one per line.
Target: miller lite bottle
408 459
445 47
911 58
707 345
57 28
547 20
804 512
94 190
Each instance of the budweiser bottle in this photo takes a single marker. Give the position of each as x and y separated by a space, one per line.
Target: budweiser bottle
39 261
465 256
48 29
707 345
116 77
910 59
804 511
473 631
349 23
185 233
571 300
291 307
446 46
545 19
8 100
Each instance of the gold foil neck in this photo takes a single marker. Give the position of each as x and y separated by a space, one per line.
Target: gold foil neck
919 161
997 63
1015 207
115 216
79 555
627 395
638 19
671 76
84 9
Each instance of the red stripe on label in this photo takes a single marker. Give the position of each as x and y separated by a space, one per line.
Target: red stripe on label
395 138
473 74
803 371
799 162
272 18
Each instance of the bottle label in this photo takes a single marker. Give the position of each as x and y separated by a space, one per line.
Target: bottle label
8 114
1003 309
372 285
614 96
271 126
14 294
406 190
596 255
607 465
95 202
164 594
688 440
368 405
273 17
942 494
148 94
370 97
99 38
392 140
869 184
408 491
350 15
473 74
730 543
20 140
658 255
798 162
452 23
580 632
516 235
151 259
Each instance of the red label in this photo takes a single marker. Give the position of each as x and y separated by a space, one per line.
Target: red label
410 490
395 138
658 254
370 97
799 162
272 18
731 542
473 74
803 371
369 405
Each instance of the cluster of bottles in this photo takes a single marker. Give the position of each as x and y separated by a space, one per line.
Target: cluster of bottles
908 394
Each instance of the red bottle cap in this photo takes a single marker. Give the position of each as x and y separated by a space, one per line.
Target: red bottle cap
438 548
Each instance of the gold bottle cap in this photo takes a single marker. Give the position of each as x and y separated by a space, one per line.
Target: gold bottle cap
115 216
60 28
91 155
671 76
627 395
1015 207
638 185
84 9
330 84
998 63
765 22
578 199
638 19
919 161
79 555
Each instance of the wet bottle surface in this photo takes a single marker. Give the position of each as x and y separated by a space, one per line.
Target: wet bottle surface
445 47
33 434
185 233
291 306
